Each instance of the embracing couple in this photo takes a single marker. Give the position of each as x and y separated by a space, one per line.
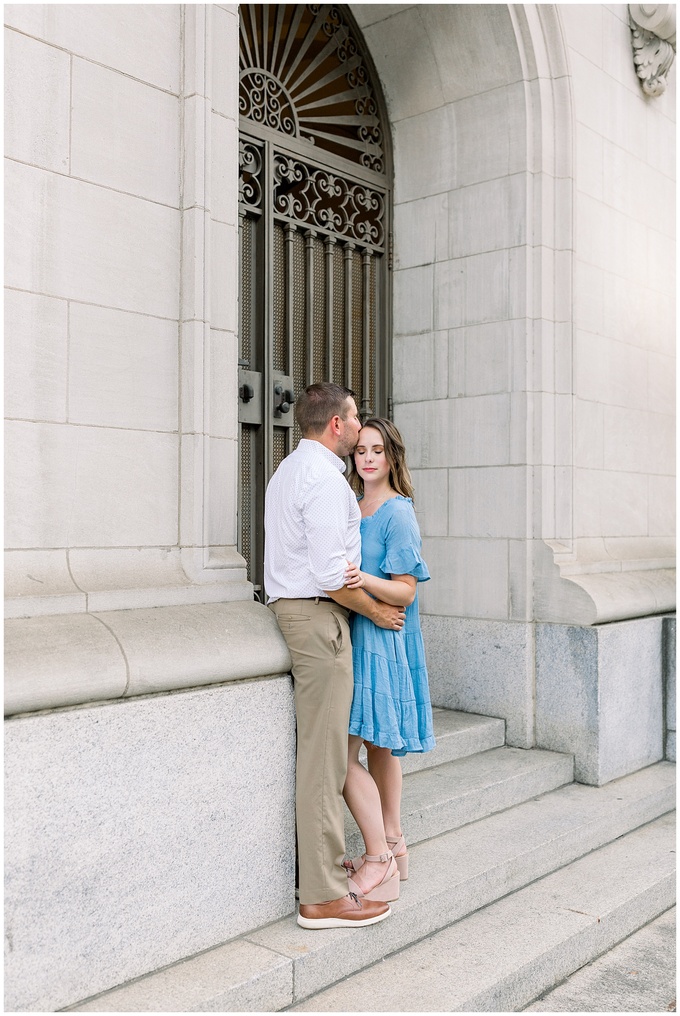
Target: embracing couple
344 558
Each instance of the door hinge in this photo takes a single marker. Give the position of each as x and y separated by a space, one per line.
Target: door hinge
390 251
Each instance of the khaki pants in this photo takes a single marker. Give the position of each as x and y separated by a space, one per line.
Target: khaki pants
318 637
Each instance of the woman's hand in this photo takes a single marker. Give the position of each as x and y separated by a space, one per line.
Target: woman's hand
395 591
354 578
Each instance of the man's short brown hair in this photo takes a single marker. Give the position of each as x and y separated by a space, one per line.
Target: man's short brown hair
318 404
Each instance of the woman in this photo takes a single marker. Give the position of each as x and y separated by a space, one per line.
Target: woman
391 712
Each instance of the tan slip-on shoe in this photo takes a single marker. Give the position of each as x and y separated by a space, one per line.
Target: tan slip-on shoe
347 912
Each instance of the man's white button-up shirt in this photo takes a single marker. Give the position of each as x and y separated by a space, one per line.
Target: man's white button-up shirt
312 524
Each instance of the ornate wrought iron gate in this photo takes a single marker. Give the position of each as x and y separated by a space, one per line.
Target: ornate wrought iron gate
314 217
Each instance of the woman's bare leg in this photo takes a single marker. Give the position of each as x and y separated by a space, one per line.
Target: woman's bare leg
385 768
363 800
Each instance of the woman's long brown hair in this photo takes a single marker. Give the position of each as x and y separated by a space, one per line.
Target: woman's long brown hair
395 452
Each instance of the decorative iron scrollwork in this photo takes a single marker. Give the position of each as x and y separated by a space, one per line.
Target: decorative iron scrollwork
264 100
249 180
303 73
319 198
333 18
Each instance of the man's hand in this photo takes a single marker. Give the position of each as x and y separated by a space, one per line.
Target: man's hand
387 616
383 614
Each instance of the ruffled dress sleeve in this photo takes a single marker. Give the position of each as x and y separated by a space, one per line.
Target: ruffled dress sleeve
403 543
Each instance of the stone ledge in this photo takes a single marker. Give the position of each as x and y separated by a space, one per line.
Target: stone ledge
626 590
71 659
68 581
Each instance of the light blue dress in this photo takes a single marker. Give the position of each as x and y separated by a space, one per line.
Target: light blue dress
391 706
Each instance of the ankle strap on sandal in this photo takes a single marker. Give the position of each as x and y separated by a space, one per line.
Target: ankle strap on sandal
379 857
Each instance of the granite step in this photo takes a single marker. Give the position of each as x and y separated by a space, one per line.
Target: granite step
506 955
457 735
452 876
637 975
452 794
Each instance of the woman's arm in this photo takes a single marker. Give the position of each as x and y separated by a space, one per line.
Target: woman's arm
399 589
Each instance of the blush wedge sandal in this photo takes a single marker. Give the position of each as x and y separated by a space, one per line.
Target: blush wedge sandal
399 852
387 890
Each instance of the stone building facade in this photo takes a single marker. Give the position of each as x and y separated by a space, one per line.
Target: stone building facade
150 729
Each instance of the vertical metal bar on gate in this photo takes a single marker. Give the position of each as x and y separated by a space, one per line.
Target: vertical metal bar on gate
241 219
349 247
330 247
310 234
268 362
243 490
289 240
366 335
289 234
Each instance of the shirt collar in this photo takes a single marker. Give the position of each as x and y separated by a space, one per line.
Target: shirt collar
315 447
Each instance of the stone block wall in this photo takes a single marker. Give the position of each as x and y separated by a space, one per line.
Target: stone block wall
141 832
121 306
460 226
624 288
92 156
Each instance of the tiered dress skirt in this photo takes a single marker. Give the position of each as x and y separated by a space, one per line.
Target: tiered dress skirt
391 705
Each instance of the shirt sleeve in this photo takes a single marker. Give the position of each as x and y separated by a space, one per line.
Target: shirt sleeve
403 543
325 512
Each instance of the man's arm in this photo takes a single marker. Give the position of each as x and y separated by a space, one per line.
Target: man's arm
382 614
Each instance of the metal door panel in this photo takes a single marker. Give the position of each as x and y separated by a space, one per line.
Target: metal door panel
314 235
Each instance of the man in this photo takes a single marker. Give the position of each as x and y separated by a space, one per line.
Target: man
312 523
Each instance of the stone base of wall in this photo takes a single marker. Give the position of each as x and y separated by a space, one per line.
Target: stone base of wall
604 693
669 668
600 695
143 831
483 667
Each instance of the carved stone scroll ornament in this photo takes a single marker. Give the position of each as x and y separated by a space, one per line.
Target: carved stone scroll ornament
653 28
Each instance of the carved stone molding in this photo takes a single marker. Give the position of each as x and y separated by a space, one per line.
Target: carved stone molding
653 29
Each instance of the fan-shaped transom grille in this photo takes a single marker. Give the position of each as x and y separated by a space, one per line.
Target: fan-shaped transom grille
303 73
